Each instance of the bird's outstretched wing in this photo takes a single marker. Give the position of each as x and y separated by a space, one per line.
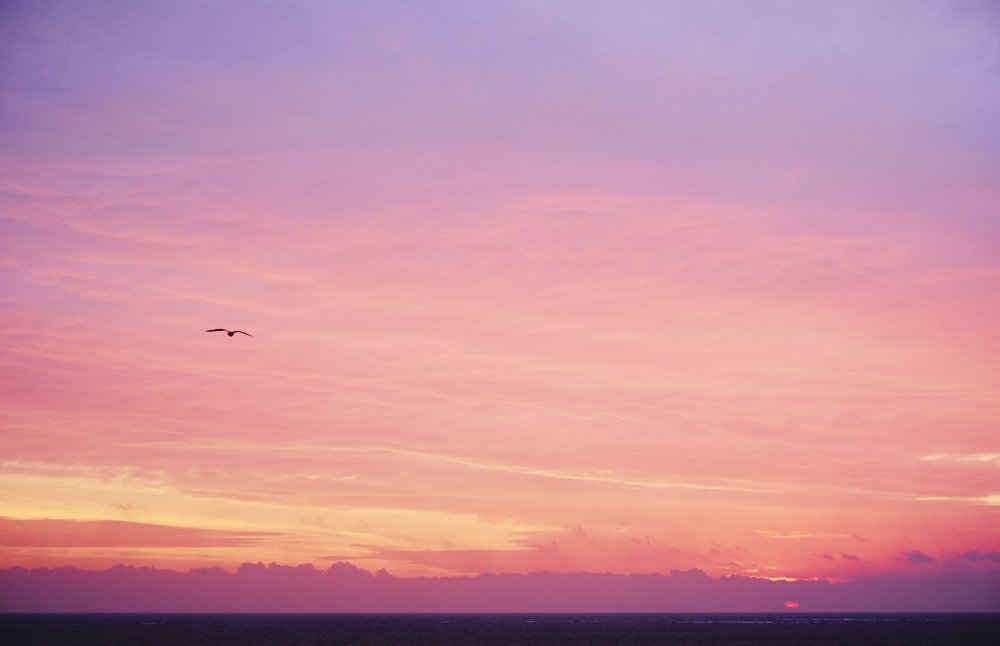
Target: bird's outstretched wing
241 332
218 329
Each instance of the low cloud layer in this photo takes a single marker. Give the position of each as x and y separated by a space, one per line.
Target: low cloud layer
346 588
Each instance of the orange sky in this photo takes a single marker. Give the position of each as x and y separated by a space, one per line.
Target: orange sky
537 308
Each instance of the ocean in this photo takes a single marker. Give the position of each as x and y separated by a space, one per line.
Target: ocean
489 629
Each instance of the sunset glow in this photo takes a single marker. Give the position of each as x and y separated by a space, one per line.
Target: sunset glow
620 287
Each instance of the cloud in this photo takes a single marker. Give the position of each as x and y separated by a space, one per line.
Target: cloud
849 557
257 587
114 533
965 457
977 556
991 499
916 556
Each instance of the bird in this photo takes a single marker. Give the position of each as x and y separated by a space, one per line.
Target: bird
229 332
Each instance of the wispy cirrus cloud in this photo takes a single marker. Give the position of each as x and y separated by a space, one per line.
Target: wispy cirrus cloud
71 533
989 458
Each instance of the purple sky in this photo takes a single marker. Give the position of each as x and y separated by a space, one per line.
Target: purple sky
618 287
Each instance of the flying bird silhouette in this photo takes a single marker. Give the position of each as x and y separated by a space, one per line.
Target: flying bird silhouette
229 332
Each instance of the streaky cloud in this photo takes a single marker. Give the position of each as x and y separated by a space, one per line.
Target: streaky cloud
44 532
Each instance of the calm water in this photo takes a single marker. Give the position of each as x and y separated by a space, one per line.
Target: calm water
198 630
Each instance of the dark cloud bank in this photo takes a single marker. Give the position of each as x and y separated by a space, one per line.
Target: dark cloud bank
345 588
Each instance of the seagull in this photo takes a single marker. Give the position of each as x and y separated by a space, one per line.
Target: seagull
229 332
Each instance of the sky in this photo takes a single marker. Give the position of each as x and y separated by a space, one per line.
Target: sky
595 287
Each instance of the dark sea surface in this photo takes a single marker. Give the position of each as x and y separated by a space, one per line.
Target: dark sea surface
472 629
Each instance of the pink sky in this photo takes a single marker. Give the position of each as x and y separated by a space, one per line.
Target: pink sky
618 287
